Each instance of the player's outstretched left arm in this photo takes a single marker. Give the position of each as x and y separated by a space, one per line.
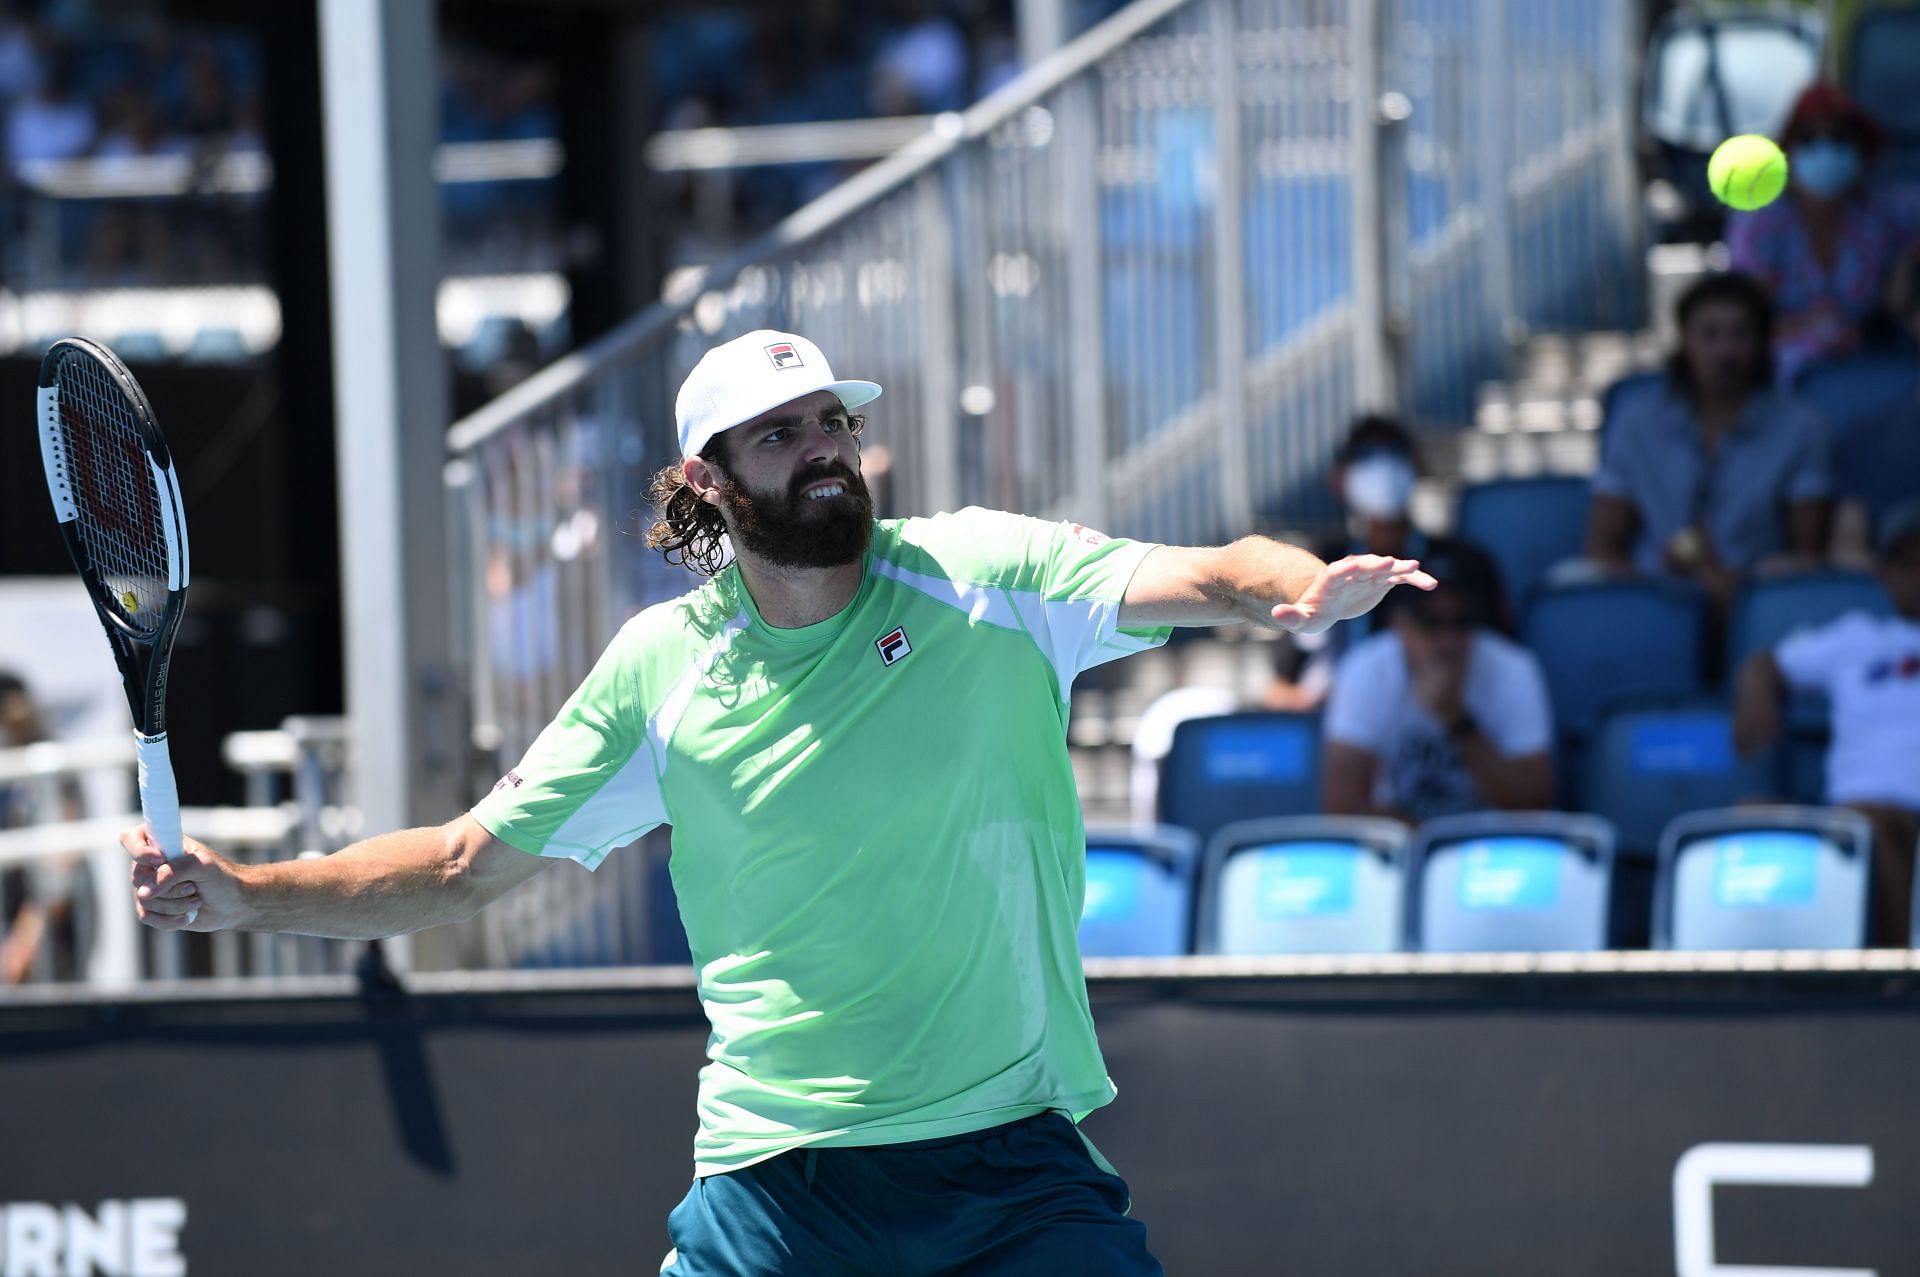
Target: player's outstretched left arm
1262 582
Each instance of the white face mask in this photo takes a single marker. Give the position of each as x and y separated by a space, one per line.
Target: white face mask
1379 486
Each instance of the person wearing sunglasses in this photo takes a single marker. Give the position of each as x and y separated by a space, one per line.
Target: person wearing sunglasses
1827 249
1438 714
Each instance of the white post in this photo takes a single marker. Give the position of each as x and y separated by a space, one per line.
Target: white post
377 75
1229 281
1043 27
1373 364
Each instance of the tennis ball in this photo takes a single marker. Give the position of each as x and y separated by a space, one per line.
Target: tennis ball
1747 172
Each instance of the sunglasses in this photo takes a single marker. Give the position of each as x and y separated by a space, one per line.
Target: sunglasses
1425 621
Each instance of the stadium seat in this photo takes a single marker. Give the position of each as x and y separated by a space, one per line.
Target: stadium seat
1885 48
1615 640
1303 884
1240 767
1526 526
1652 761
1496 882
1856 389
1139 900
1876 461
1769 610
1764 878
142 346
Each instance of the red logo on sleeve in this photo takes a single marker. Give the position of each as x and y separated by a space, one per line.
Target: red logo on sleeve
1086 535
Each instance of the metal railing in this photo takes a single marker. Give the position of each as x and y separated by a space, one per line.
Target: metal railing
1102 292
1145 285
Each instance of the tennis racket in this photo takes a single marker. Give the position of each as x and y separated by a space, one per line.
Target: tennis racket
118 503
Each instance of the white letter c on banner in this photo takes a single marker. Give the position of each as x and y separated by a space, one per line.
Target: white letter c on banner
1703 1166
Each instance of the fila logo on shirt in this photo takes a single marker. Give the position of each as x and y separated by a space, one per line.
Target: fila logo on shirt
784 355
893 645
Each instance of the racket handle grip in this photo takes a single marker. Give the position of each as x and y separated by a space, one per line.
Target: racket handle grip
159 797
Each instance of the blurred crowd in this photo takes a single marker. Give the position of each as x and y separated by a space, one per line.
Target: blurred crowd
1714 474
161 111
727 65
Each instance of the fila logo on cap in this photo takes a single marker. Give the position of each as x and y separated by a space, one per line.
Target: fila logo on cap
784 355
893 645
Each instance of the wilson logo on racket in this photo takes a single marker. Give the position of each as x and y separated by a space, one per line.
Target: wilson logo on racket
893 645
784 355
106 470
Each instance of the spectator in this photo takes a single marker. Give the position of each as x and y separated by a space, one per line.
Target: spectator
1438 715
1719 474
921 65
52 122
1869 668
36 902
19 53
1827 249
1373 475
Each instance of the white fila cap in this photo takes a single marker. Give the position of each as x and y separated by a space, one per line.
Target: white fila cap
749 375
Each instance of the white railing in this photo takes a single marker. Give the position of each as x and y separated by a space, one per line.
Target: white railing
296 806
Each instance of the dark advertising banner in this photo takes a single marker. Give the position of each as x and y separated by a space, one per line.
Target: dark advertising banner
1429 1125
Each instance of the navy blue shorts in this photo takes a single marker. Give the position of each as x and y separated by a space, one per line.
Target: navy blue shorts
1029 1197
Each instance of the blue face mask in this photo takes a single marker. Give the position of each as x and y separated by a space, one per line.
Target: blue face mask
1825 168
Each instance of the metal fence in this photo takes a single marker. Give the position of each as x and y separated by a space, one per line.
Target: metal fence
1145 285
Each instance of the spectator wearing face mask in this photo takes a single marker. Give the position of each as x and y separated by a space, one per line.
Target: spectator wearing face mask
1827 249
1717 475
1373 475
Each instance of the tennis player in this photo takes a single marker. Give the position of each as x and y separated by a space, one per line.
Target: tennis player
857 729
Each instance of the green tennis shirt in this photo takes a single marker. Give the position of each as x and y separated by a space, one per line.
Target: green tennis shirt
877 842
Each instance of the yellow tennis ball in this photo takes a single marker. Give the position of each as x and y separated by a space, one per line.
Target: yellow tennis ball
1747 172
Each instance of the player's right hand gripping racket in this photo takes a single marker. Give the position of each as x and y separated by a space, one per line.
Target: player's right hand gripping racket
118 502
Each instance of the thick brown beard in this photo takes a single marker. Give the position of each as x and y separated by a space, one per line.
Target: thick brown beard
773 527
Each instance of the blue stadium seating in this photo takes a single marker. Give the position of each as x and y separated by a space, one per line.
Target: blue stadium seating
1764 878
1139 900
1850 390
1616 640
1526 526
1885 49
1652 761
1876 460
1240 767
1496 882
1303 884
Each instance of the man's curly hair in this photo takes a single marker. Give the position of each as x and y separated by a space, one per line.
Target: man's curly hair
688 530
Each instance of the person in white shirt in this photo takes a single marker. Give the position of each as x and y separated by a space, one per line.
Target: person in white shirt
1439 714
1869 668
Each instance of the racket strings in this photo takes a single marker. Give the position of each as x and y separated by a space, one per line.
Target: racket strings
115 490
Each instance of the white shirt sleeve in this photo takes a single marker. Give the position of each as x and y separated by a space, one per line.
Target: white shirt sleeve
1360 708
1514 712
1809 658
